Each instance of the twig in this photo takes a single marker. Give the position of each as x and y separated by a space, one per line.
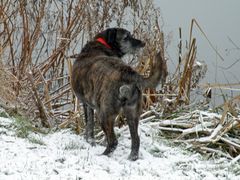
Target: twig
146 113
147 119
175 123
230 143
170 129
204 34
216 151
58 95
43 115
235 159
197 129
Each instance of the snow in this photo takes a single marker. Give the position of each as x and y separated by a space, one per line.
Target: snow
65 155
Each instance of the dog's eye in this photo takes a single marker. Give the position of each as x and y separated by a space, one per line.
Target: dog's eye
126 37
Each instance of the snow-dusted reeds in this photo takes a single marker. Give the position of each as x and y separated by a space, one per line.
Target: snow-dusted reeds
206 131
39 37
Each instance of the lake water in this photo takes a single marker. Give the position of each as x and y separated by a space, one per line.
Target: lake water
220 20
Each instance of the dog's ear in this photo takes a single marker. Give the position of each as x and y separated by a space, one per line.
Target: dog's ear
111 34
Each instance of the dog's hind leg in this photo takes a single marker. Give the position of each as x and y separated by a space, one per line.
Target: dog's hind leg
89 119
107 124
132 114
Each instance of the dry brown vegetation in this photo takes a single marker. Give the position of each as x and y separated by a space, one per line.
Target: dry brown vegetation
38 37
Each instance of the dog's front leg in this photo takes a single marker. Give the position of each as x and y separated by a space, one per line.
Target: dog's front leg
89 119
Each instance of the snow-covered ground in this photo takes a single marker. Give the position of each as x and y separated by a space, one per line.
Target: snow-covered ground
65 155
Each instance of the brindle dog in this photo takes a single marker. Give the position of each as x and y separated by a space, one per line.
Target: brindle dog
102 81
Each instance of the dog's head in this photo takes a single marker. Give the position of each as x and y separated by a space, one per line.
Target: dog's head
121 41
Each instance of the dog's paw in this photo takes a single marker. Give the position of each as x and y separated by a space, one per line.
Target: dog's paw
133 157
91 141
110 148
107 152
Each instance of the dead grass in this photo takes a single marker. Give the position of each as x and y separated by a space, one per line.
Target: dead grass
7 93
38 37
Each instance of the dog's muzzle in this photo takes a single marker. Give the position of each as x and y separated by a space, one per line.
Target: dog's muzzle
138 43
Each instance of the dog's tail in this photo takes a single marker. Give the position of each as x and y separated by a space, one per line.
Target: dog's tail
158 72
129 93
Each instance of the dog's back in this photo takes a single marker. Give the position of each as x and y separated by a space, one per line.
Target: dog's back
97 78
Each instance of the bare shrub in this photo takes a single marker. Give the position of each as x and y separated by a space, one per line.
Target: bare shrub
37 37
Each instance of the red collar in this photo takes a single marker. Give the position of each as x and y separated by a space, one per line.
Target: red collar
102 41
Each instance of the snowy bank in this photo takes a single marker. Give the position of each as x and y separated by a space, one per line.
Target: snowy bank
65 155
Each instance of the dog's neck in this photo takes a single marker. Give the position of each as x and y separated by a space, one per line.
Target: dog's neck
102 41
111 47
100 49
